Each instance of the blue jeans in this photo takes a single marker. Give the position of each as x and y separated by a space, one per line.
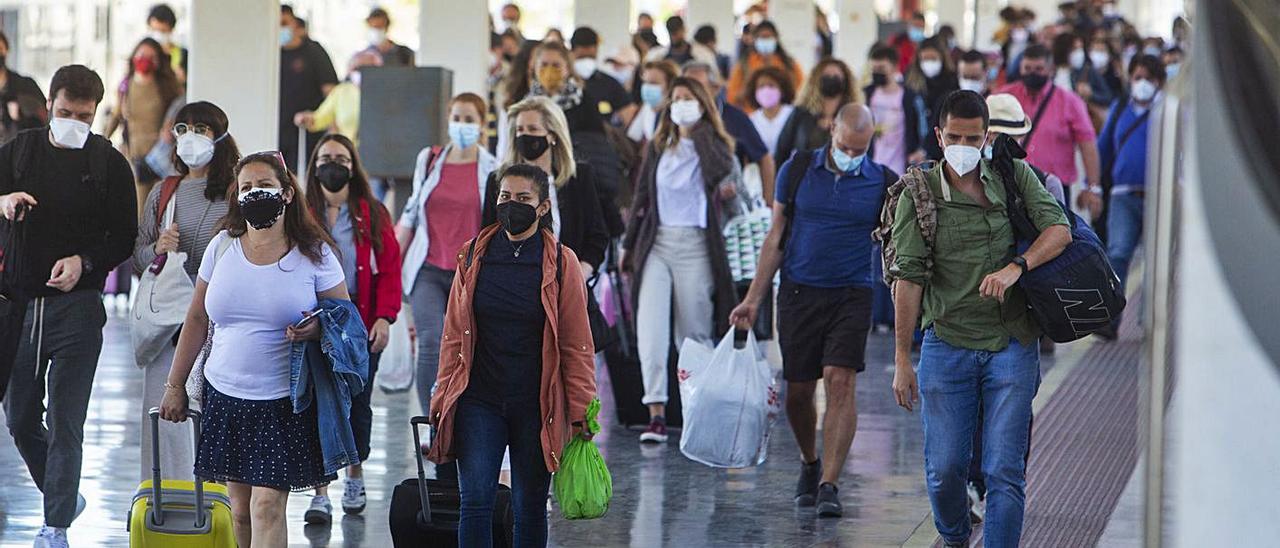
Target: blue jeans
482 433
954 383
1124 230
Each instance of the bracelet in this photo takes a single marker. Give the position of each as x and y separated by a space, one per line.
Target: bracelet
170 386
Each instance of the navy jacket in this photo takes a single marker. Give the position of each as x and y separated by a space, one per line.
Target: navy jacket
329 373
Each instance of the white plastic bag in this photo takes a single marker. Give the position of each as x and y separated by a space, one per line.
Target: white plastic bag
396 368
729 401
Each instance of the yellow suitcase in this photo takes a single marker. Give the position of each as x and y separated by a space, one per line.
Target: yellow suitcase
179 513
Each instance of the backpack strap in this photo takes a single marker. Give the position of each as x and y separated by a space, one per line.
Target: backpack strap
164 205
432 158
1035 121
800 163
559 264
471 251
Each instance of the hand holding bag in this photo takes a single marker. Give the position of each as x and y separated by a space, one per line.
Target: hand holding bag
164 294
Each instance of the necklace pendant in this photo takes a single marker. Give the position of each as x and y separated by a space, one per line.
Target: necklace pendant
517 253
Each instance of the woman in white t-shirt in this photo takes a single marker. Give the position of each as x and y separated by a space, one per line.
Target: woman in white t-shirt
258 278
675 246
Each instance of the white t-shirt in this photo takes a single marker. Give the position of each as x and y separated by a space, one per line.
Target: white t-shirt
770 130
682 202
250 306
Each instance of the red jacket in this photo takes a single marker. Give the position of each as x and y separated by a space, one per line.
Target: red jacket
377 275
568 356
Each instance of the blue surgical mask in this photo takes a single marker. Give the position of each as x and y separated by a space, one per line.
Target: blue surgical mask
286 36
651 94
463 134
987 152
766 46
844 162
916 34
1171 70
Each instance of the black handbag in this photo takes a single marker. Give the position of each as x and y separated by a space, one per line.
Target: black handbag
602 335
13 304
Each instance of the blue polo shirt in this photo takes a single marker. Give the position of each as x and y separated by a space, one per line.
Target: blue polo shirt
1128 160
830 243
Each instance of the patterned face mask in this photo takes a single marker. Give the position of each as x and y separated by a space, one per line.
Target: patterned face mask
262 207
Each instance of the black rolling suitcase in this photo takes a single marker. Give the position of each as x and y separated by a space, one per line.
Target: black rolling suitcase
623 362
425 512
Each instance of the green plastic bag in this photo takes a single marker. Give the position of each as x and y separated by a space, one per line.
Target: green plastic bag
583 485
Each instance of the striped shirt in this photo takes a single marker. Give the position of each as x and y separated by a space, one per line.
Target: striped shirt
197 219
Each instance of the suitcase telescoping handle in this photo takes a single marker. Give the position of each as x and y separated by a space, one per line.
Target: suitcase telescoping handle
157 509
303 153
424 517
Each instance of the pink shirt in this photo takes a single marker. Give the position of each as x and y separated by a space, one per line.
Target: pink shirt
1065 123
890 149
453 214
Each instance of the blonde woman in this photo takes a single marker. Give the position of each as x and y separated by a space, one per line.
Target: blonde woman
538 134
675 247
830 85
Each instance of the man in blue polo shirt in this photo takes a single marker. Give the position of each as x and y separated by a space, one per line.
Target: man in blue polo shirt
821 238
1122 147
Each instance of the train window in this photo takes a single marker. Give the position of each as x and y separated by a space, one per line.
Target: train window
1248 54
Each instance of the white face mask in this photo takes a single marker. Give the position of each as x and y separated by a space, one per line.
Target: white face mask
931 68
1076 59
376 37
585 67
68 133
1099 59
164 38
685 113
962 158
976 86
1142 90
194 149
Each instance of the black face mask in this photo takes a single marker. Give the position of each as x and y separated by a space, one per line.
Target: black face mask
333 176
831 86
532 147
262 208
879 80
2 65
516 217
1035 82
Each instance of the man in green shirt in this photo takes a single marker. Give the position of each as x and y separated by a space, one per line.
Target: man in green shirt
980 347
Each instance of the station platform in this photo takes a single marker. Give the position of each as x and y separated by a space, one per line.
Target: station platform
1082 486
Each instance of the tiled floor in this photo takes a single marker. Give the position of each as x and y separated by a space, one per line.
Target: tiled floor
660 497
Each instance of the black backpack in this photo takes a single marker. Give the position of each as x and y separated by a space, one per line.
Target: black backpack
1076 293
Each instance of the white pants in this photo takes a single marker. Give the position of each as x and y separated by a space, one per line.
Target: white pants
177 449
678 270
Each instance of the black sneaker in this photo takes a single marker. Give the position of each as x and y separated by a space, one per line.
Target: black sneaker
829 502
807 485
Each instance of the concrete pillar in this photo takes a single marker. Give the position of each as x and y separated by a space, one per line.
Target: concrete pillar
455 34
235 63
986 15
954 13
718 14
795 22
611 19
858 30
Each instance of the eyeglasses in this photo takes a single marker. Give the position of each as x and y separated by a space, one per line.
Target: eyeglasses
342 160
182 127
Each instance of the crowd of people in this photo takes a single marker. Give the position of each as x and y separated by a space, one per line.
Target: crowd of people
579 161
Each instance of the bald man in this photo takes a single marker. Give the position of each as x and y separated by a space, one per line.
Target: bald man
827 203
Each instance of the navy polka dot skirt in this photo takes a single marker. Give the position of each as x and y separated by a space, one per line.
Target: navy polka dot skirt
259 442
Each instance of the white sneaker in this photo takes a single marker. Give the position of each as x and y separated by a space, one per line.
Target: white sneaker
320 512
51 537
353 497
977 506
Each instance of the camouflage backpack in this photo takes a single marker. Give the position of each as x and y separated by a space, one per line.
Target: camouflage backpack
915 182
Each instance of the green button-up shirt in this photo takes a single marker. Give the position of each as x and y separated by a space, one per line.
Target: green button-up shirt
973 241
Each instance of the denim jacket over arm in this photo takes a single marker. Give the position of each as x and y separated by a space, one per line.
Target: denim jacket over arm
329 373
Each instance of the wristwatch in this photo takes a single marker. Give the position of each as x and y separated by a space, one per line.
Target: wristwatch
1021 262
86 266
